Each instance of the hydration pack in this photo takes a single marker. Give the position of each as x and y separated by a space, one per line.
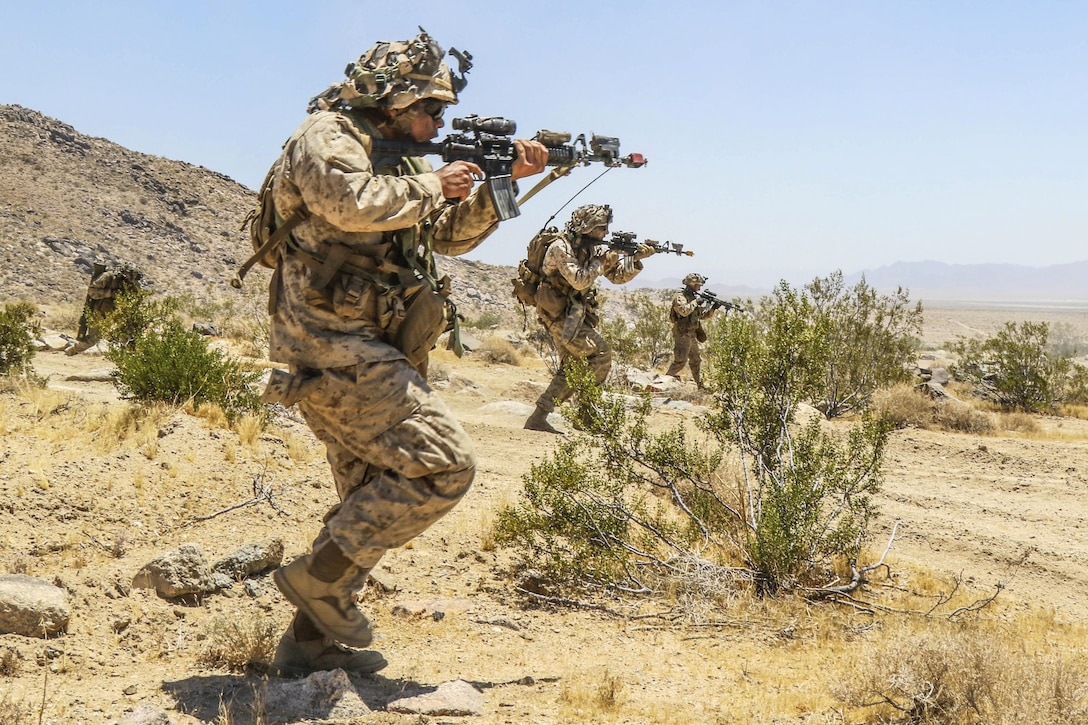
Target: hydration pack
529 269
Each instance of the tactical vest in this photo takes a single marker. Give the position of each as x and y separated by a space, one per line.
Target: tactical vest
555 295
412 306
687 324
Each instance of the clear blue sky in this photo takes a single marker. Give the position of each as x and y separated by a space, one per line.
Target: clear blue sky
786 139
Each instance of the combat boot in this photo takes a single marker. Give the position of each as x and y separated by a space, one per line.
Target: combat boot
318 585
539 421
303 650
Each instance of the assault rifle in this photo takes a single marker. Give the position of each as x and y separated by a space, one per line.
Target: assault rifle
714 302
488 142
625 242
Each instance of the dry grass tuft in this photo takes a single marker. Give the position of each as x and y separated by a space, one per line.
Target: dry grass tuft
904 405
212 415
499 350
240 645
15 713
1018 422
957 416
939 672
593 696
249 429
10 664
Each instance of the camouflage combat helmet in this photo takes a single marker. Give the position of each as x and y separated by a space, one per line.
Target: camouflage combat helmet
589 217
694 279
396 75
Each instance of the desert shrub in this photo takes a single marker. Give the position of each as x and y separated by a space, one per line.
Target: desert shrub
1018 422
965 674
806 495
135 312
871 336
486 321
620 507
544 346
1015 368
904 405
499 350
645 342
172 365
240 644
1064 341
959 416
17 324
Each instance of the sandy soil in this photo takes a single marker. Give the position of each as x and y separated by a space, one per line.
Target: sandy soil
71 490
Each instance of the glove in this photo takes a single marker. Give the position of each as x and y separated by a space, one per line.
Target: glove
644 251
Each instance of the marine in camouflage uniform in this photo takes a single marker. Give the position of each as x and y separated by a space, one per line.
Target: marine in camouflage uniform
355 308
566 301
687 316
107 283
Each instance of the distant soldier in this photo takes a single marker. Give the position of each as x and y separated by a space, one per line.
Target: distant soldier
107 283
687 315
566 300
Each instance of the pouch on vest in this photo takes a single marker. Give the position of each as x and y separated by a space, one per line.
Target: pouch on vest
700 334
424 321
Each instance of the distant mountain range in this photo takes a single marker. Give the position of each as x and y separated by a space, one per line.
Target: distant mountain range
1000 283
992 282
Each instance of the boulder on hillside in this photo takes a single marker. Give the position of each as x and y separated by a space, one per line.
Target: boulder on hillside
31 607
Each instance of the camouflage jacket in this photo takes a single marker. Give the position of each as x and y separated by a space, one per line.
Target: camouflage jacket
687 314
569 275
359 203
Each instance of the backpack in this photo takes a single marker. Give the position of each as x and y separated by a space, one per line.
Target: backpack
529 269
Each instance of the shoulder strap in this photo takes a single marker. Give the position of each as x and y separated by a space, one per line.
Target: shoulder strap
275 238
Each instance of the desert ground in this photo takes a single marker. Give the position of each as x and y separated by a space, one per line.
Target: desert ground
91 491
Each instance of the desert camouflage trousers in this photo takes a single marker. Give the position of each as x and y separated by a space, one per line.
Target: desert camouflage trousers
685 351
587 344
399 458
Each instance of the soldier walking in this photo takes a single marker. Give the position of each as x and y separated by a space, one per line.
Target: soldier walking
566 299
107 284
355 307
687 315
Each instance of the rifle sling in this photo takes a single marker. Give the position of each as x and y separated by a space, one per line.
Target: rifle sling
554 174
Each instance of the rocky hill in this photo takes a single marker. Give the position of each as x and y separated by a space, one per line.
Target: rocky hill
68 200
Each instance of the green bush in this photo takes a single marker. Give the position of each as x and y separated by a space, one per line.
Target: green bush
174 365
135 312
622 507
17 325
485 321
806 494
871 337
1017 368
645 343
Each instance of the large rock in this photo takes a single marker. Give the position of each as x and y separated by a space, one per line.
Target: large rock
177 573
31 607
251 559
322 696
457 698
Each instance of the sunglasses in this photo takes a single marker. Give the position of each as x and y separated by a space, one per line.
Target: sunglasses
433 108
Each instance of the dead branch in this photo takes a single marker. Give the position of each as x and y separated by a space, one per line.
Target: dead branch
564 602
260 493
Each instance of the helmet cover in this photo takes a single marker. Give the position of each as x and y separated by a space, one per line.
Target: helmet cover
588 217
395 75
